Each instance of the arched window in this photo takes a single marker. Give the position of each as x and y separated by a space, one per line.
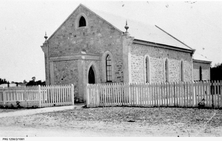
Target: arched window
181 71
147 69
166 71
82 21
108 69
200 73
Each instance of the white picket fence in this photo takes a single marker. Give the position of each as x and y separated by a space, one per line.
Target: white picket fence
38 96
156 95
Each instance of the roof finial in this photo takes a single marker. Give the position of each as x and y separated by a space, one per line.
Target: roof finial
126 27
46 37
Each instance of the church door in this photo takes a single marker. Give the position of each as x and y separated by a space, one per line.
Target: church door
91 76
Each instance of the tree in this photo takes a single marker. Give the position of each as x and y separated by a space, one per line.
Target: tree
3 81
35 83
31 82
24 81
33 78
216 72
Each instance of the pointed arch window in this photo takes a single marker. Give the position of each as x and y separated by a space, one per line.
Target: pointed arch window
147 69
181 71
82 22
108 68
166 71
91 76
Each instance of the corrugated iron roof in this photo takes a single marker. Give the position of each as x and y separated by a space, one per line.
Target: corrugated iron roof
198 56
142 31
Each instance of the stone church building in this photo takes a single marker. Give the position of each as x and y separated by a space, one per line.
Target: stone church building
96 47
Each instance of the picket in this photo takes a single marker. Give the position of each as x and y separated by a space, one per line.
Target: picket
163 94
45 95
183 94
170 94
218 94
208 98
220 88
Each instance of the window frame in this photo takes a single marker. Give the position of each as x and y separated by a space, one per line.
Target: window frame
147 69
82 18
200 73
182 71
78 20
166 70
108 68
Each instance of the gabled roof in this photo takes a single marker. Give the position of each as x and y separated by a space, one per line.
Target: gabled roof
138 30
199 57
142 31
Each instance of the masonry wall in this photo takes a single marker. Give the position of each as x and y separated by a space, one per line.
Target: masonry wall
65 72
157 56
96 38
205 70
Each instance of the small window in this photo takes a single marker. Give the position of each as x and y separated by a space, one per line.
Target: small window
147 65
166 71
200 71
181 71
108 69
82 22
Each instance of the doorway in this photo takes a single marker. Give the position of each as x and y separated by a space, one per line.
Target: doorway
91 76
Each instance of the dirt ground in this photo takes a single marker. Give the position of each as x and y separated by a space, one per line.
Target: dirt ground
116 121
8 110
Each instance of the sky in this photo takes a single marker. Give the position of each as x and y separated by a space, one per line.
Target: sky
24 22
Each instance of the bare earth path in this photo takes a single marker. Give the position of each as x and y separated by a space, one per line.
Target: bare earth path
115 121
23 112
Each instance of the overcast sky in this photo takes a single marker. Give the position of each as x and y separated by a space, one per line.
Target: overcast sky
24 22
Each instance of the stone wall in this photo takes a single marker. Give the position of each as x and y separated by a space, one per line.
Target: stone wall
66 72
157 57
174 70
96 38
205 70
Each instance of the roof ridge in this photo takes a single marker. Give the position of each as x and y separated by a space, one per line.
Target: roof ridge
103 15
129 20
120 16
174 37
201 54
97 14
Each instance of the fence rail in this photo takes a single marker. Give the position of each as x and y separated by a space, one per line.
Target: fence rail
187 94
37 96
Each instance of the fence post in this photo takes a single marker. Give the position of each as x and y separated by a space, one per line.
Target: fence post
87 95
193 93
127 94
220 94
214 91
4 97
137 95
40 97
72 94
174 91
